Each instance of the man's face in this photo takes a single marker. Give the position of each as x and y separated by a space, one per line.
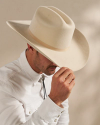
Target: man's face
43 65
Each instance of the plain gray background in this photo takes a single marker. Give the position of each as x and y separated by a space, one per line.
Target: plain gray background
84 101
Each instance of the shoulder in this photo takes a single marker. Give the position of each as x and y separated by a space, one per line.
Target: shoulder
9 70
10 78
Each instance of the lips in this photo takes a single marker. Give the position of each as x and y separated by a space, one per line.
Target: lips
52 67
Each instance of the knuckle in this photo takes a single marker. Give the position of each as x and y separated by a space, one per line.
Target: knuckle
72 75
60 79
68 70
72 71
73 82
54 76
64 68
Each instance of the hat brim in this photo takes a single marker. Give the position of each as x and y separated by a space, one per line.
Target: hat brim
75 57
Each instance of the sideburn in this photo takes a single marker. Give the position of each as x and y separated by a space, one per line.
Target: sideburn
37 52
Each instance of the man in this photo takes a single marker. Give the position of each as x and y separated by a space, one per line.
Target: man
32 92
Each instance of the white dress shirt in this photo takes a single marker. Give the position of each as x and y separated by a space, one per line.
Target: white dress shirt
21 97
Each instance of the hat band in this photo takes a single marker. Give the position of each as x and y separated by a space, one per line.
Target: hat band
44 44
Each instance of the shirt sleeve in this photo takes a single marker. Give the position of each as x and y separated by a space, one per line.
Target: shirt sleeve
64 118
49 112
12 112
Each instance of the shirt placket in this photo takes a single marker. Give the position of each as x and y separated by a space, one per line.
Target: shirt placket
43 88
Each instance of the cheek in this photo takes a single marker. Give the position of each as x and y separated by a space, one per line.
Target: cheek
45 62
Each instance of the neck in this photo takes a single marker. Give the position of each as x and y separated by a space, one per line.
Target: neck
30 61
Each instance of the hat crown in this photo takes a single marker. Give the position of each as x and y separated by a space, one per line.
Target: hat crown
53 27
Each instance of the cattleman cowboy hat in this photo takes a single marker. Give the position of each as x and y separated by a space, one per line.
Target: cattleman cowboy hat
53 34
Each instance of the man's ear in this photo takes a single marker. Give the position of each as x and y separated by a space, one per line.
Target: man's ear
30 48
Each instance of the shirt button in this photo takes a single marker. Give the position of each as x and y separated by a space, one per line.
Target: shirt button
29 112
58 115
55 120
62 112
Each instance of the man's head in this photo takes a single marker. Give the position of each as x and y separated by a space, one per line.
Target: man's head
39 63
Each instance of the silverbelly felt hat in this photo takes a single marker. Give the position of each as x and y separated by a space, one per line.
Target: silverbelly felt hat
53 33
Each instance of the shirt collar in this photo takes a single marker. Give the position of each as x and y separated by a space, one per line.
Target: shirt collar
27 68
29 71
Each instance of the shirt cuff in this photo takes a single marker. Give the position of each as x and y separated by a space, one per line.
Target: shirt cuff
49 111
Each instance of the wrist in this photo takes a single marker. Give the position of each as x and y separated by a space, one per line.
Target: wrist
55 100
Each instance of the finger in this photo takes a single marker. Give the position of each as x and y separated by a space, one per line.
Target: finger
60 71
69 78
66 73
71 85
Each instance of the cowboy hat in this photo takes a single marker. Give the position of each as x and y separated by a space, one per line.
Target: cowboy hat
53 34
